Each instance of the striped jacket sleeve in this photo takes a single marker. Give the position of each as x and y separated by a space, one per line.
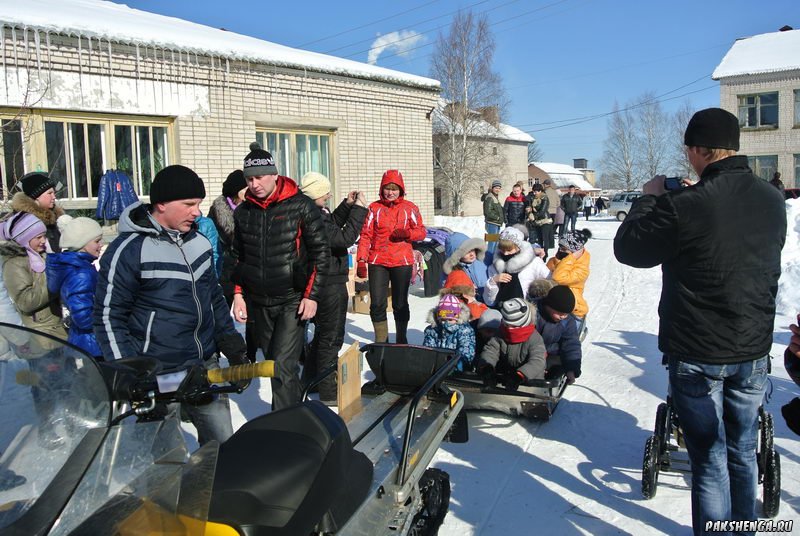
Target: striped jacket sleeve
117 286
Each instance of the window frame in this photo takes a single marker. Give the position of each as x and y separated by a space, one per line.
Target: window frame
289 144
797 108
743 121
5 189
754 161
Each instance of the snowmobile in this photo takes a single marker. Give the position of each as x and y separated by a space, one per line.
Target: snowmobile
97 448
665 451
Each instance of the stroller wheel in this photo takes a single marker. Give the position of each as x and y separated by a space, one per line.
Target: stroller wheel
650 467
771 491
663 427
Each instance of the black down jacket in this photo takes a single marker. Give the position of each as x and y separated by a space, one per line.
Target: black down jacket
342 227
719 245
281 246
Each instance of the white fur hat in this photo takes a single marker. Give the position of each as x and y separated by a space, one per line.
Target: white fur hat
315 185
77 232
514 235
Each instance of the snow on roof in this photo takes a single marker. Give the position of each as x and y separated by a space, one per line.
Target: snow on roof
480 128
565 176
764 53
120 23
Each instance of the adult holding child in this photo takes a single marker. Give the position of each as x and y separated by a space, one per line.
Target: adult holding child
385 254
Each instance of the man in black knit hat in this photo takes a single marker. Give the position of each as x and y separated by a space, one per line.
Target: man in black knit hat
282 255
158 296
720 275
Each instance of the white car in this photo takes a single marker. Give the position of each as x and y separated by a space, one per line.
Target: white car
621 204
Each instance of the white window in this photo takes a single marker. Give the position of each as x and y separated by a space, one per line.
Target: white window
797 107
763 166
297 153
758 110
796 170
437 157
12 165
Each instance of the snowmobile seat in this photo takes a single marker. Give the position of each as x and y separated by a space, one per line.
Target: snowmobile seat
289 471
404 368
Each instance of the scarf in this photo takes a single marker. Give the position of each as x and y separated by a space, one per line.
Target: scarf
514 335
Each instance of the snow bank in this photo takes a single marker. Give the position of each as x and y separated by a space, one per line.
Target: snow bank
789 283
471 226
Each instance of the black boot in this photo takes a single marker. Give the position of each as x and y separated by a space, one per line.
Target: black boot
402 327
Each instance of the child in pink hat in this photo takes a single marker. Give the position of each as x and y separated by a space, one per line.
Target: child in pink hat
449 328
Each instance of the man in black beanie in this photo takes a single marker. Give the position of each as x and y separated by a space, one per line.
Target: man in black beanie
158 296
282 256
720 275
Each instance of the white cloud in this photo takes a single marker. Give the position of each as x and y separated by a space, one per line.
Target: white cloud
399 42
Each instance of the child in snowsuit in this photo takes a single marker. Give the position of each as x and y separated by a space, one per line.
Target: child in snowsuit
517 353
449 328
460 285
71 275
466 254
557 327
515 266
570 267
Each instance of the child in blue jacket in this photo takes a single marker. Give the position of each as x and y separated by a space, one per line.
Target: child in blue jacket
449 328
72 275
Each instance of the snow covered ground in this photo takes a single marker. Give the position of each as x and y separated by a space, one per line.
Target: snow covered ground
580 473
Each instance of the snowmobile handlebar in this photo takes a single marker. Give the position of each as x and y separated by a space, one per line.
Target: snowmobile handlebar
236 373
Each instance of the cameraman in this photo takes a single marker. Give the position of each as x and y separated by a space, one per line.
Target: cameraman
719 279
342 227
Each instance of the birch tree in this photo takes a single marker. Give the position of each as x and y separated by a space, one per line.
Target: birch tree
620 162
653 136
469 111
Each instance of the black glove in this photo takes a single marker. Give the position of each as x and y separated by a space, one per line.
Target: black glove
512 380
487 374
234 348
791 413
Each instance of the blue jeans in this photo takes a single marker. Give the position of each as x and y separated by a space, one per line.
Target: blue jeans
492 228
717 407
570 219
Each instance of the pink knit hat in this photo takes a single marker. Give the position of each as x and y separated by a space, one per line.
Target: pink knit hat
23 227
449 308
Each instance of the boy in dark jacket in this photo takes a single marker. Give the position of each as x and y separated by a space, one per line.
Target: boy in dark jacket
283 257
342 227
514 207
517 353
557 327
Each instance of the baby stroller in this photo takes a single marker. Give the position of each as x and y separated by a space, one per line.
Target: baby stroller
665 451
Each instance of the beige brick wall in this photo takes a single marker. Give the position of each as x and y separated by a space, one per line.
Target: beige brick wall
783 141
374 125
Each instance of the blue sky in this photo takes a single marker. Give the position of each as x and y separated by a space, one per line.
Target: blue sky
559 59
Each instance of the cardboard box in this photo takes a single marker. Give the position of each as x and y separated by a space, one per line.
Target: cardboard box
361 302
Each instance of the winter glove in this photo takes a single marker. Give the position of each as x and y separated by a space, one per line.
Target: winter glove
400 235
488 376
361 270
791 413
235 349
512 380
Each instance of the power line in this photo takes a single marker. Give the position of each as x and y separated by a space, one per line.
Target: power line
367 24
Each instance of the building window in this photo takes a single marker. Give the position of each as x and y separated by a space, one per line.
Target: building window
297 153
763 166
796 170
494 151
12 166
797 107
437 199
758 110
79 152
437 157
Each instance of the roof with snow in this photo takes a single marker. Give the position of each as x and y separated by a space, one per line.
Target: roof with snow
480 128
765 53
120 23
565 176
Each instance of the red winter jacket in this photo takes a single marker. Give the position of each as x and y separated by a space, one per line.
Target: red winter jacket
375 246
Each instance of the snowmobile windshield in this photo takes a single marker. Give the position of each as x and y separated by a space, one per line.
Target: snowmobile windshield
53 403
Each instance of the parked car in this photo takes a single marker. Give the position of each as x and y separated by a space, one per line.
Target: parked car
621 204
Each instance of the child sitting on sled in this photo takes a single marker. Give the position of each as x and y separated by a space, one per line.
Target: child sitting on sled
517 353
449 328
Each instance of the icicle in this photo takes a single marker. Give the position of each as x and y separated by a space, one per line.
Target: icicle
49 62
38 43
137 74
80 67
14 44
110 79
25 45
90 54
3 54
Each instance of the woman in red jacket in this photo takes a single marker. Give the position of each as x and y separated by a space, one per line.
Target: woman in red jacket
385 246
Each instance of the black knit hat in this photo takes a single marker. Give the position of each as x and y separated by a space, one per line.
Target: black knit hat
35 184
234 183
259 162
176 182
561 299
713 128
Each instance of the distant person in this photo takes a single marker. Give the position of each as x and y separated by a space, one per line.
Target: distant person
600 204
493 212
554 201
542 222
588 205
514 207
717 308
571 203
778 183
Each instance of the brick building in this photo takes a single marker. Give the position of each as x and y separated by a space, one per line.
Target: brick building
760 83
89 86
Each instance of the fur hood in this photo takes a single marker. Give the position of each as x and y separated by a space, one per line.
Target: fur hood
517 263
9 249
459 245
22 203
222 215
463 317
